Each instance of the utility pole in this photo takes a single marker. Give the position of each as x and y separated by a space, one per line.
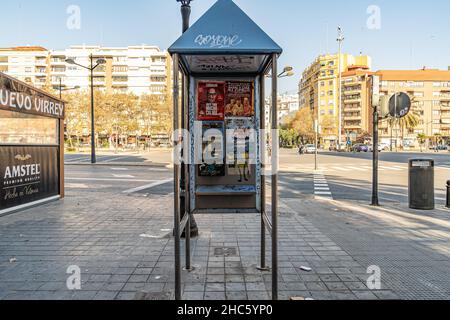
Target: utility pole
375 104
316 131
184 180
340 39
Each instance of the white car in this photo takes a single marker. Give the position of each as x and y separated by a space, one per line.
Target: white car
310 148
381 147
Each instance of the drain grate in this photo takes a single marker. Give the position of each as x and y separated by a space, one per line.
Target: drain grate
225 252
153 296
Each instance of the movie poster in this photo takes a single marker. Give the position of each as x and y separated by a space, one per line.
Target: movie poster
212 159
239 99
211 101
240 136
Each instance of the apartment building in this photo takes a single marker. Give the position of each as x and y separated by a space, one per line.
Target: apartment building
288 105
28 64
134 69
430 91
319 90
356 101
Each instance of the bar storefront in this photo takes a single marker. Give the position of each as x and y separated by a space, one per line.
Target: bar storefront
31 146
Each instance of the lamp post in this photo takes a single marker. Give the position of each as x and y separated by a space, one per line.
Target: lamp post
185 13
91 69
184 197
340 39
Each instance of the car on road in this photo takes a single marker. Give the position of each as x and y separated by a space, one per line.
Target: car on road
381 147
360 147
310 148
340 148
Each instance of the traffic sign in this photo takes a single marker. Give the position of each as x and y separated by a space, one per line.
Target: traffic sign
399 105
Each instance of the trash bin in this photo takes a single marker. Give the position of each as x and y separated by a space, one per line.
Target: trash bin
421 184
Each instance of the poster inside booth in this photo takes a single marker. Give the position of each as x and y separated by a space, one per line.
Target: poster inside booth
226 111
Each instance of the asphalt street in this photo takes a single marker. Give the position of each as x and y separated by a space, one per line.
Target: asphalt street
341 176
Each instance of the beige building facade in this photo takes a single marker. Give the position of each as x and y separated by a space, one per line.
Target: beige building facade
319 90
430 92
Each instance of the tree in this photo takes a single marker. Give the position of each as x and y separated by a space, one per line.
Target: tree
303 125
422 138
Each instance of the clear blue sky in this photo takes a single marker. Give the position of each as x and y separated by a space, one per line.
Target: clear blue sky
413 34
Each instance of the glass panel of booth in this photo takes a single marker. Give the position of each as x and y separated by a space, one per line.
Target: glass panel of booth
27 129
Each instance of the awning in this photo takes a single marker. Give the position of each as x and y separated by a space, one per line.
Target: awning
225 40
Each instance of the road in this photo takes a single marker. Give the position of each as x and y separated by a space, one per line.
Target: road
341 176
348 176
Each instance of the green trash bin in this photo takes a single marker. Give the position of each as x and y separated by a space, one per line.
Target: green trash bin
421 184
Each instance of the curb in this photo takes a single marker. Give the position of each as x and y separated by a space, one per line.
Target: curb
120 164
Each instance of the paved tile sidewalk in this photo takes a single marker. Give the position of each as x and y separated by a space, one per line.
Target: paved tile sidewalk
124 249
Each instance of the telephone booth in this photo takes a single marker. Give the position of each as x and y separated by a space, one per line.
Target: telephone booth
220 66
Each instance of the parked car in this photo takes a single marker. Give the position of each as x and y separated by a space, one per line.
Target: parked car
360 147
310 148
442 147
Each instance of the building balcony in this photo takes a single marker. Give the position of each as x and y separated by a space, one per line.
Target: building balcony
352 118
41 63
352 100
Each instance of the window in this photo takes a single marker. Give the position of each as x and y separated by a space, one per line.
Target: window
322 83
120 79
331 83
418 94
436 113
3 68
436 84
25 129
28 69
120 69
436 94
3 59
331 112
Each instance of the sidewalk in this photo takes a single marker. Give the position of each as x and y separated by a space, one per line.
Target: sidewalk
124 248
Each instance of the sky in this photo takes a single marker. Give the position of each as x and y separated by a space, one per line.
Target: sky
406 34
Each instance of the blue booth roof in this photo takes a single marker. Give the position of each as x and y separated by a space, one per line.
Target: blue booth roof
225 39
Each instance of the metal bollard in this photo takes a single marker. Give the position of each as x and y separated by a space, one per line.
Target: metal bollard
448 194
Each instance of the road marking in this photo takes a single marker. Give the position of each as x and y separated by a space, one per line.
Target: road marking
120 169
148 186
321 188
126 176
357 169
340 169
107 179
390 168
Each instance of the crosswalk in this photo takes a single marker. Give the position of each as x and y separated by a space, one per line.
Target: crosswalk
321 188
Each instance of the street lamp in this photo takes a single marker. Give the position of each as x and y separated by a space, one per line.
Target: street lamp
185 13
91 68
340 39
287 72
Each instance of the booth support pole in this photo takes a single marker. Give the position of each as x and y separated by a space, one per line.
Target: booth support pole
93 156
176 177
186 154
263 136
275 146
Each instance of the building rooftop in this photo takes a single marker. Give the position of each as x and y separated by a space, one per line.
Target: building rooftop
24 48
414 75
